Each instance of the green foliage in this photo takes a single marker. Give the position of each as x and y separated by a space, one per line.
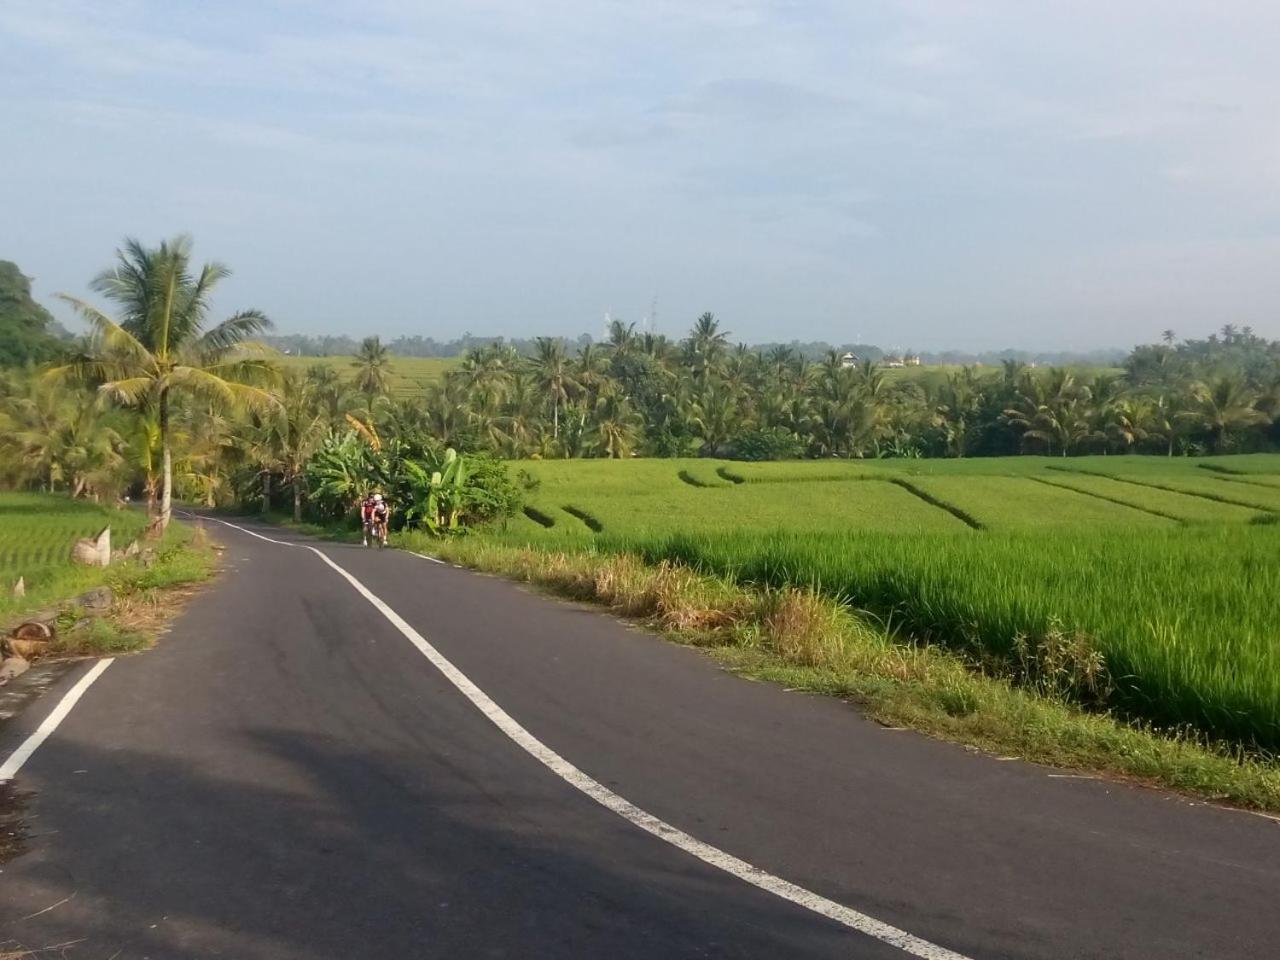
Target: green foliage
1137 560
36 535
443 492
341 472
28 334
162 348
463 491
767 443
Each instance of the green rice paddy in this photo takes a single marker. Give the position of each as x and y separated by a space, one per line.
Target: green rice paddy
1170 568
37 532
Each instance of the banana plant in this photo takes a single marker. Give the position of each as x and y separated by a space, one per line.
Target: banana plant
439 497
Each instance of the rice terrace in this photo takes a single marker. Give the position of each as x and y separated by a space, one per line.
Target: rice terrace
743 480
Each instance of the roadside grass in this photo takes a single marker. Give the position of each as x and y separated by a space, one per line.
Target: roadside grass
803 639
146 598
37 532
146 593
1184 617
1144 555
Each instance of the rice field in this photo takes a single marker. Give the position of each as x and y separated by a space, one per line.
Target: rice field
1171 569
409 375
36 535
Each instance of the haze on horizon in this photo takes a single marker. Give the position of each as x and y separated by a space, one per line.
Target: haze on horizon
923 173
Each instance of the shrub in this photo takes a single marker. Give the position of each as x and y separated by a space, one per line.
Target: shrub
767 443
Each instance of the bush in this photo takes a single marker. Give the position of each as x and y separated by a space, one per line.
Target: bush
767 443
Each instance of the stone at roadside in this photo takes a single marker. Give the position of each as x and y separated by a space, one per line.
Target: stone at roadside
95 602
93 551
12 667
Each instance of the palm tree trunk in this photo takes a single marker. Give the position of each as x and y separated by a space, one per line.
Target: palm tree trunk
555 417
266 491
166 460
297 499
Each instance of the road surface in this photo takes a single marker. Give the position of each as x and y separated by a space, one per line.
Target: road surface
287 775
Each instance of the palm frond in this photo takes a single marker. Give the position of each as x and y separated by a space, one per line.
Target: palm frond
206 384
114 343
231 333
130 392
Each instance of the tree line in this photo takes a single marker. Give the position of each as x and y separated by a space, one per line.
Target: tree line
161 400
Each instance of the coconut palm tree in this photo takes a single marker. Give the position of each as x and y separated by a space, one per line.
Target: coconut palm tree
622 337
1223 406
327 391
373 369
487 373
162 346
447 408
589 371
1053 409
705 346
618 427
289 433
549 366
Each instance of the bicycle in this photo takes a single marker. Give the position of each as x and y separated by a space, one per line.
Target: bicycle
378 529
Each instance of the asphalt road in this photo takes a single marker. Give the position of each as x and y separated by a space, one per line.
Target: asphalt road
287 776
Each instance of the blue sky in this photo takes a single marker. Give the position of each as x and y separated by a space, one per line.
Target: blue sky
917 173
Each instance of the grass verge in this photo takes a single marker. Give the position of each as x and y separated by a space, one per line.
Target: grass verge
145 598
797 637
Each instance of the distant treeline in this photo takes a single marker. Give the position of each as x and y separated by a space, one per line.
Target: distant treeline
813 350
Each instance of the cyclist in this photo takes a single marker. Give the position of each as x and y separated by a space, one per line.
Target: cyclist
374 515
375 512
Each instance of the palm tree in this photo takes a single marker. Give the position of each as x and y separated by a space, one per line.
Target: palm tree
487 373
622 336
161 346
447 408
327 391
550 368
716 417
705 346
1053 409
1222 407
33 412
1169 337
618 427
373 369
61 436
289 433
213 452
1128 421
589 371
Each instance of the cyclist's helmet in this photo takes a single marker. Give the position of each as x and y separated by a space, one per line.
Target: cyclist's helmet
377 498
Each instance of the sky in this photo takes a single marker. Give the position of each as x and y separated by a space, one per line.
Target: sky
918 174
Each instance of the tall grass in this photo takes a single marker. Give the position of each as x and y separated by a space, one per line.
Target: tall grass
1185 618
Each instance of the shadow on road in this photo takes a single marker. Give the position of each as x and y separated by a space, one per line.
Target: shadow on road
359 855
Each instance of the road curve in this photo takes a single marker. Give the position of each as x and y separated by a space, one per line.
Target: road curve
287 775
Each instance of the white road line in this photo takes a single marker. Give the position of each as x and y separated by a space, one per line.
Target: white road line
558 765
428 557
20 756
